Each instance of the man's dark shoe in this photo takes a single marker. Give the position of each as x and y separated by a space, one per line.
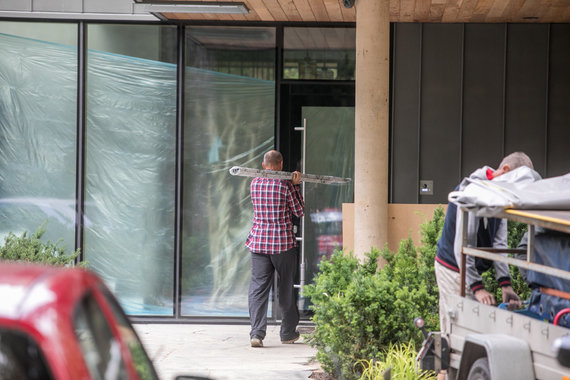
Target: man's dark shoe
256 341
293 339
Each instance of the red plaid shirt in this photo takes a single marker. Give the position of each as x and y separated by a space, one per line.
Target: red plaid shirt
275 201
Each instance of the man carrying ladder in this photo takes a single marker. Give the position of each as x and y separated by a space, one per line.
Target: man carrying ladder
273 247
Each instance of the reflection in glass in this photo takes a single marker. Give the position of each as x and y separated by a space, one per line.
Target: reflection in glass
38 73
330 151
229 121
319 53
130 165
242 51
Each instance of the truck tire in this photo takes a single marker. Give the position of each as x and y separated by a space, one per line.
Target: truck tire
480 370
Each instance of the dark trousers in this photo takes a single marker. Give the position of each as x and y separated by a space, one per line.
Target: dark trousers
262 269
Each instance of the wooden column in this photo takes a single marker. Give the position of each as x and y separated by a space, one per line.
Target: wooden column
371 125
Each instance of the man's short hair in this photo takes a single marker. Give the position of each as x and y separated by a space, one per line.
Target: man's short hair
272 158
515 160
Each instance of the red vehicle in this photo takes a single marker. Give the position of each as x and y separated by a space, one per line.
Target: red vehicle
64 324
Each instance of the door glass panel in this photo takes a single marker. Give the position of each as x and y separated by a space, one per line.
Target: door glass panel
329 151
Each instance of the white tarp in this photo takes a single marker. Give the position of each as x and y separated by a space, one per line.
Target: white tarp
521 188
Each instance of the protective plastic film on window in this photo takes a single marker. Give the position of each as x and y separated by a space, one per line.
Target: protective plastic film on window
130 166
229 121
37 131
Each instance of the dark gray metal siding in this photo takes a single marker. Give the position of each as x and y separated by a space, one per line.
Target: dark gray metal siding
407 54
558 137
465 95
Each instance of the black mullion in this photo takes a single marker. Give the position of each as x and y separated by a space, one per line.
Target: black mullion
80 138
180 76
278 76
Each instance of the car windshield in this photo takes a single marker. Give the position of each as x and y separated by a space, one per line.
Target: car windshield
21 358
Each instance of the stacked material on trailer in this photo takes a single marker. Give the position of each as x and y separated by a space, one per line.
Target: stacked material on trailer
522 189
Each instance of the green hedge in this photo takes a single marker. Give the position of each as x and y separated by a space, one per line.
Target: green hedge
26 248
360 309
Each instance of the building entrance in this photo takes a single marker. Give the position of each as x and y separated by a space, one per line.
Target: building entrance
320 135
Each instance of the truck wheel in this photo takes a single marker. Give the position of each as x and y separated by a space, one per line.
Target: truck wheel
480 370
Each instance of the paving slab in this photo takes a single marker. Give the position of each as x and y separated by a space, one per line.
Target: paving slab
223 352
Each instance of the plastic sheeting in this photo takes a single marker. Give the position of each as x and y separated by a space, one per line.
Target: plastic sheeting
130 178
130 169
229 121
520 188
37 137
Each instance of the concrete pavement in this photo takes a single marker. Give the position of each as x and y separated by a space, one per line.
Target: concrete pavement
223 352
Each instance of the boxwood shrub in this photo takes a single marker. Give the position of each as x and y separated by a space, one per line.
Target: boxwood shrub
361 308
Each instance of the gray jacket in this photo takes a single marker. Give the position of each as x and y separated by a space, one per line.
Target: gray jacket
500 240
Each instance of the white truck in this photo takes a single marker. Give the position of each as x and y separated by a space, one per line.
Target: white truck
489 343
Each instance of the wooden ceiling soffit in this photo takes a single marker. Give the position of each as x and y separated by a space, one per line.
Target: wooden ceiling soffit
437 11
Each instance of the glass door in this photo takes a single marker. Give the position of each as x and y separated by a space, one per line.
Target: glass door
329 150
326 147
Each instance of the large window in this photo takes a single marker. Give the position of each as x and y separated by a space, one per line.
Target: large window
38 91
129 150
241 51
130 163
229 119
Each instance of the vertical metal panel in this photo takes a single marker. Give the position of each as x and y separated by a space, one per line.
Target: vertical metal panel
546 103
405 113
440 108
461 94
525 111
483 96
558 152
57 5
